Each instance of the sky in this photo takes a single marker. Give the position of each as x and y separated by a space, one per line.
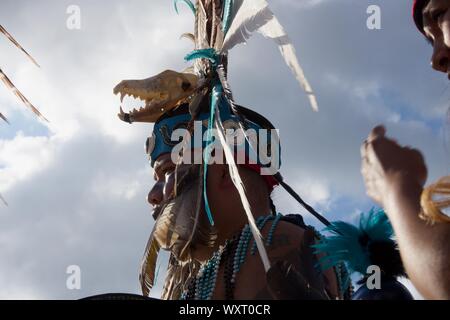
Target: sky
76 186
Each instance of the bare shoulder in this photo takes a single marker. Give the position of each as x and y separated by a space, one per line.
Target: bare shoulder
286 237
293 244
289 244
282 242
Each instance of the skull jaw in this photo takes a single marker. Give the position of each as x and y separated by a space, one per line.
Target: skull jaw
152 114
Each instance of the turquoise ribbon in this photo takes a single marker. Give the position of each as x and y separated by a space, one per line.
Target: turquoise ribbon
187 2
216 93
215 98
227 8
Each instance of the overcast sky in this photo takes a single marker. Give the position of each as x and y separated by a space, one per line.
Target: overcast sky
76 186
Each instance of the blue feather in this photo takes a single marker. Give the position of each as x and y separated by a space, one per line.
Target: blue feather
350 245
209 54
377 226
187 2
227 6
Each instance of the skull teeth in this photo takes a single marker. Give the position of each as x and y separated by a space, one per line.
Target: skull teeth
135 96
150 102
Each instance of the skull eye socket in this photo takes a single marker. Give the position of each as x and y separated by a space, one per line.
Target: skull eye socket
185 85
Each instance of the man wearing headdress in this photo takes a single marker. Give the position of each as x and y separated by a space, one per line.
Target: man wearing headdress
211 199
237 271
395 178
216 218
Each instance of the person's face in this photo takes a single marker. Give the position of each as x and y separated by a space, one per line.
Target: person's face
436 19
164 176
218 183
174 198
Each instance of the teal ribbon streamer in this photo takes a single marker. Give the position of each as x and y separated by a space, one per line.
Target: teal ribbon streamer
227 7
216 93
187 2
215 98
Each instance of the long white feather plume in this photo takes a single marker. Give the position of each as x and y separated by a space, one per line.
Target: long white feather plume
274 30
237 181
11 38
3 200
8 82
247 17
255 15
4 118
19 94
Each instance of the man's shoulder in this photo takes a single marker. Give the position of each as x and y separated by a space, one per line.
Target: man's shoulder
288 236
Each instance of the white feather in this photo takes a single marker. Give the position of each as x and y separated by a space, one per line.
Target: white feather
3 200
237 181
247 17
274 30
255 15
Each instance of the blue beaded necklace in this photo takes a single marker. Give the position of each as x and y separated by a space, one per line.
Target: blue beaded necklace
205 281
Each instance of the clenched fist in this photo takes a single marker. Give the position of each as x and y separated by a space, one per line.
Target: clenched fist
389 168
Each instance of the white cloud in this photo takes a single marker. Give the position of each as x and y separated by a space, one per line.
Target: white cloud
24 156
125 186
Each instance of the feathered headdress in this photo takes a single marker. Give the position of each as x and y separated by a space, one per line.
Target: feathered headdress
3 200
232 22
220 26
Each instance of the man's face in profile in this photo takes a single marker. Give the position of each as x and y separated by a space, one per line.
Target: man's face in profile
163 188
436 20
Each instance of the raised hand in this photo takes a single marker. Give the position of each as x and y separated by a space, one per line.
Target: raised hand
389 168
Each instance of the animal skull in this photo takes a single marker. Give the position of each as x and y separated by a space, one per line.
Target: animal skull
160 93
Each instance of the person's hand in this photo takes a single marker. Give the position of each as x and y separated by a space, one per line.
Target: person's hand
388 168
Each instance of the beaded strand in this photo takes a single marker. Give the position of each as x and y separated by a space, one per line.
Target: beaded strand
206 279
228 268
272 229
260 227
241 251
203 286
